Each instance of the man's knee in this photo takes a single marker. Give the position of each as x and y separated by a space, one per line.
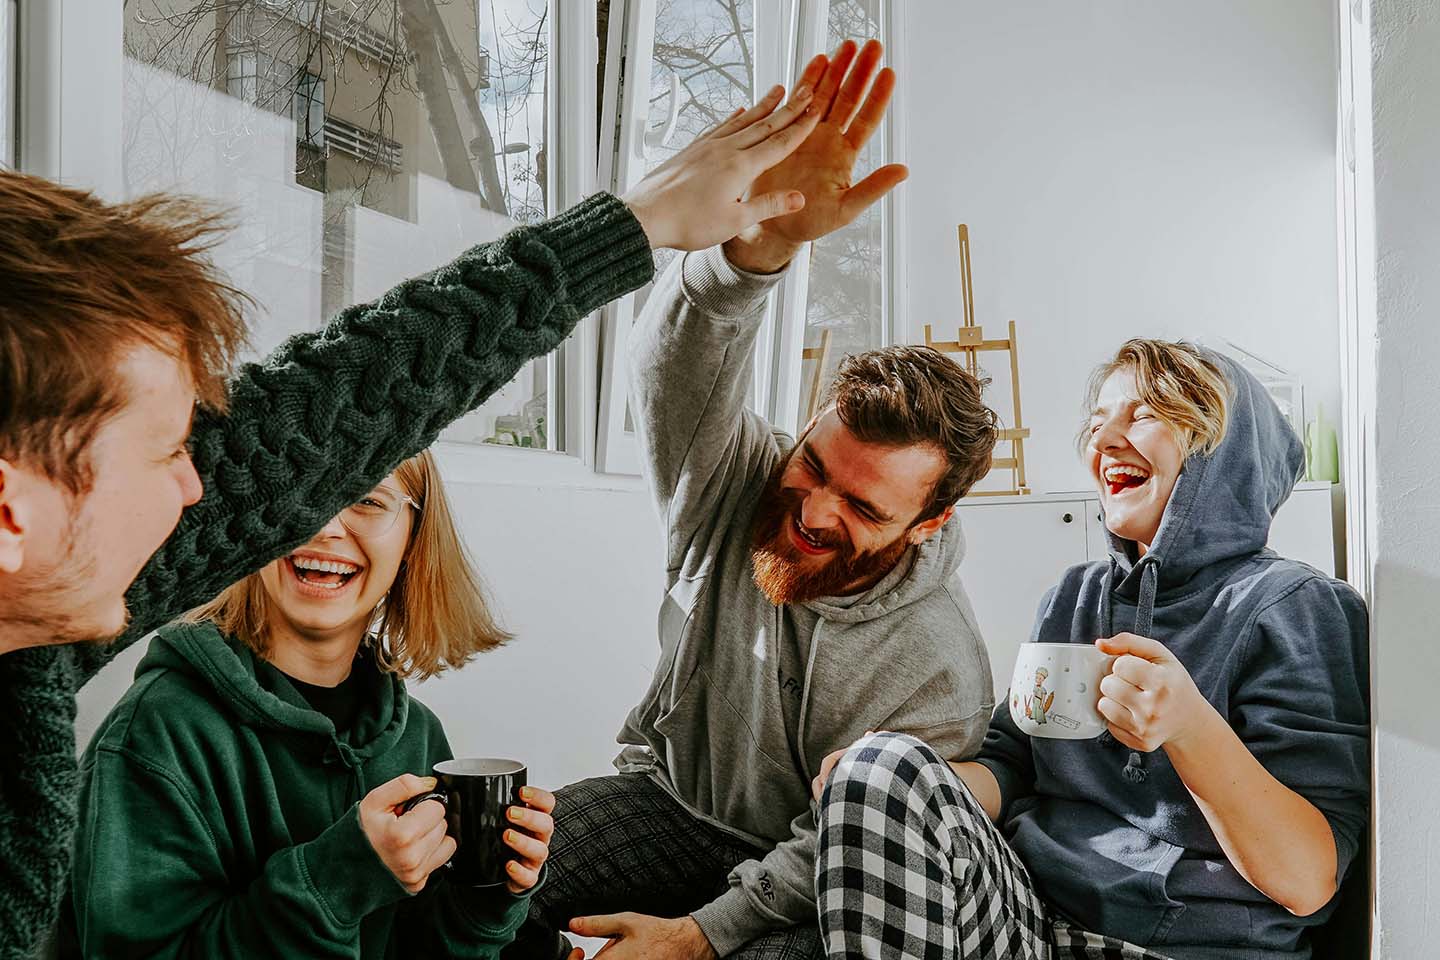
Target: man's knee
889 760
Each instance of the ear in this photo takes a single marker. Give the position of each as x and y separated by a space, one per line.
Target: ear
924 531
12 520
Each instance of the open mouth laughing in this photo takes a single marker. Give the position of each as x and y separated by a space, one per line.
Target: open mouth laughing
317 576
806 541
1120 478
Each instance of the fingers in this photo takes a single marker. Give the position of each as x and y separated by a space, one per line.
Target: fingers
842 109
1133 670
868 120
1117 714
423 819
780 120
742 117
523 876
538 799
780 145
392 793
607 925
1121 691
814 72
415 861
576 954
869 191
1127 738
777 203
537 824
834 73
1142 647
530 848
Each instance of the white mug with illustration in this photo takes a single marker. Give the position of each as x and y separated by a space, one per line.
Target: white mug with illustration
1055 689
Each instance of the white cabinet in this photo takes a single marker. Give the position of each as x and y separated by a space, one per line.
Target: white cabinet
1017 548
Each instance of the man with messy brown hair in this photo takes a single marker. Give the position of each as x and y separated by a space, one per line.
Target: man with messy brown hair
118 425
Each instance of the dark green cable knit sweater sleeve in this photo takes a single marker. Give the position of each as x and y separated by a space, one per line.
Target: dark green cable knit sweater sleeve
309 430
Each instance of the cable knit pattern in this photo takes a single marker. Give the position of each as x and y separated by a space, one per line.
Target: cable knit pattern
309 430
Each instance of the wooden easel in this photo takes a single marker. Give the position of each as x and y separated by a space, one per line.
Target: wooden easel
971 342
821 356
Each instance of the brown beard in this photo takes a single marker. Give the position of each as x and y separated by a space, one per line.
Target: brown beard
779 568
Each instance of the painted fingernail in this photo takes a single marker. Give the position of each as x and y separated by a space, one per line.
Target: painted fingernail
526 793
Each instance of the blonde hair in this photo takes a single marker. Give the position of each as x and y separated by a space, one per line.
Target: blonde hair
1187 390
435 615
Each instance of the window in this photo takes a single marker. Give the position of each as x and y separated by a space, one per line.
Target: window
673 69
688 63
309 108
845 307
362 142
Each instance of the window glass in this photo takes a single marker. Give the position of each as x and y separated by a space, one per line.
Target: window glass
359 142
845 302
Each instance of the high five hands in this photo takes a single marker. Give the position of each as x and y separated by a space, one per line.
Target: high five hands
850 101
793 163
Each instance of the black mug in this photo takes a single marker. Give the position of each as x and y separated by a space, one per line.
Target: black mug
476 793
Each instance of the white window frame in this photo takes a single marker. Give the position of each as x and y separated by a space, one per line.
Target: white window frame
629 53
787 34
71 129
783 402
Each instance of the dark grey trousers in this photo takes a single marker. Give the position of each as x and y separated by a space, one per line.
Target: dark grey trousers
622 844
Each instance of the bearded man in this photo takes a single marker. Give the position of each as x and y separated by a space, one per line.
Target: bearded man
812 594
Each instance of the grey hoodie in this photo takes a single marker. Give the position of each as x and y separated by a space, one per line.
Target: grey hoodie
748 697
1111 836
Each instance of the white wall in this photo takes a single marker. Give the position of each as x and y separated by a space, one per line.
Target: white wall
577 575
1161 169
1406 603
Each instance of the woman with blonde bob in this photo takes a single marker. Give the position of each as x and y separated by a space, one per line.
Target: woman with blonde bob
1218 814
247 796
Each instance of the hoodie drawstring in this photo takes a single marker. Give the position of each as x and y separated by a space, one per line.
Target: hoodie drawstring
345 754
805 691
1134 770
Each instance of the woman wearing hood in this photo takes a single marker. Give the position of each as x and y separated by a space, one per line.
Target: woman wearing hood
1218 814
245 797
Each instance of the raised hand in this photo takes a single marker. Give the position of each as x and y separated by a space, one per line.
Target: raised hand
697 198
823 165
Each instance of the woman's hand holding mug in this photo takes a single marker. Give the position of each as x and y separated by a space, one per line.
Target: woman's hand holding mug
529 837
1148 698
411 844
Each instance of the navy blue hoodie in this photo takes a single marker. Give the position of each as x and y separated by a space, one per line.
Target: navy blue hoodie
1111 836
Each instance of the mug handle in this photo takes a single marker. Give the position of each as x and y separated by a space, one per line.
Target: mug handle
415 801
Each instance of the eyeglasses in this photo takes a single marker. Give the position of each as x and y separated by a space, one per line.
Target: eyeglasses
374 514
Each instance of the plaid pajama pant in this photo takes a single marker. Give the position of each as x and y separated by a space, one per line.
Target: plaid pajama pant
909 865
622 843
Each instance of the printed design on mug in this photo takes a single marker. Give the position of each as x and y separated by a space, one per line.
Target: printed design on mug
1039 701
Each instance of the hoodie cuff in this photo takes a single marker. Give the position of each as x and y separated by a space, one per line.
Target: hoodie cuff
346 874
717 288
732 921
494 911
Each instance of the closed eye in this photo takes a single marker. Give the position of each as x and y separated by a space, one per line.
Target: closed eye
865 515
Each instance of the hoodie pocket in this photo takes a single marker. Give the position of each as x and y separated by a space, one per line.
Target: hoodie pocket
1099 870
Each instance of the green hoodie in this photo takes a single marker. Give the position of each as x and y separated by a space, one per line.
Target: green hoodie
219 818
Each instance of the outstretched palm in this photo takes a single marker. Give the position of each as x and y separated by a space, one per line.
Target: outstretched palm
822 167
